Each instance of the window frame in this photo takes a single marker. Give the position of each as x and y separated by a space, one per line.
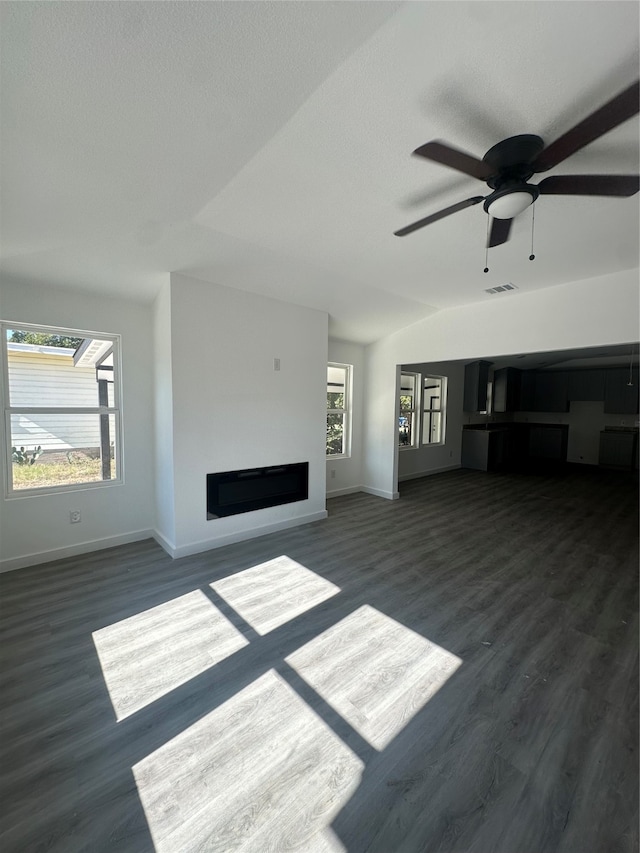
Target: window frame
428 410
415 411
345 411
8 410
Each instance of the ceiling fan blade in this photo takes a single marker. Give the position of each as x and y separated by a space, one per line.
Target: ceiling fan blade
613 185
500 229
439 152
447 211
619 109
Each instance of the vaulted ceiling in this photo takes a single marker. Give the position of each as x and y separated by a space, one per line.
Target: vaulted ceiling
267 146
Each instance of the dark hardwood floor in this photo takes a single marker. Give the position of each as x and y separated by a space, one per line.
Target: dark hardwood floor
456 671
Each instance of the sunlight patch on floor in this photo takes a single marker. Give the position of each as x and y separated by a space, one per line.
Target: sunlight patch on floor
149 654
261 772
376 673
270 594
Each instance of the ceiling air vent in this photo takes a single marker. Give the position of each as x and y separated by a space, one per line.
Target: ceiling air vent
502 288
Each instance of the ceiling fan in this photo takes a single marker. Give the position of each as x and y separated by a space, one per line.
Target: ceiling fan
507 167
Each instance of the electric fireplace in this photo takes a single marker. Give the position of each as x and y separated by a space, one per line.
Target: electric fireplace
233 492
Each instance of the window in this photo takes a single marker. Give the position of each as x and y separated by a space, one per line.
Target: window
409 389
338 409
62 408
434 393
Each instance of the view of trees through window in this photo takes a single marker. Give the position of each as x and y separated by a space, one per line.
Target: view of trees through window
337 409
43 339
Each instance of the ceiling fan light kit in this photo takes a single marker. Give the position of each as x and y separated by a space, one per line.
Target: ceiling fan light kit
507 167
508 202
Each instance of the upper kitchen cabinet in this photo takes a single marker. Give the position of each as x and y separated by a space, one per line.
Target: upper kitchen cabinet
586 385
620 397
528 391
551 391
476 379
506 389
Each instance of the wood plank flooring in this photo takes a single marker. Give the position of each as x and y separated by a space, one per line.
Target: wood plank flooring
456 671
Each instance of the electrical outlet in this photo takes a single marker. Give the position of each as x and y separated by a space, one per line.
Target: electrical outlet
333 473
276 364
74 516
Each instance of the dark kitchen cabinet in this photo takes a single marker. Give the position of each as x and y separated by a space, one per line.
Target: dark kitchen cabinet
551 391
548 442
475 449
486 449
506 390
618 448
527 390
586 385
476 378
619 396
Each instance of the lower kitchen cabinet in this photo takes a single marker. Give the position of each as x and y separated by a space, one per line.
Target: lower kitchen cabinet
513 446
548 442
618 449
486 449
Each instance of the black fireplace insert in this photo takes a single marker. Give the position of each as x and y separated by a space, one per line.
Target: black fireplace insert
233 492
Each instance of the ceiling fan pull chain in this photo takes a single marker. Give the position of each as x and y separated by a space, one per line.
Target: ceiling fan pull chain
533 219
486 251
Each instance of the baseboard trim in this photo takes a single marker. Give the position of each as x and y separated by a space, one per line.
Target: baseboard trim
349 490
28 560
417 475
239 536
380 493
165 544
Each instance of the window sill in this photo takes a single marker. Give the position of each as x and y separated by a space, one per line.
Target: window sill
59 490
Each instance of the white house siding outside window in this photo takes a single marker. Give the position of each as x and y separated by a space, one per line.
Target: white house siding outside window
338 410
62 408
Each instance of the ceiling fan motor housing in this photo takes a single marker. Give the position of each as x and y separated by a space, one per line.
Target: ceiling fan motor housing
512 158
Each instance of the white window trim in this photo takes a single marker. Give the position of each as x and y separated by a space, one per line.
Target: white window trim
346 411
417 421
5 425
442 409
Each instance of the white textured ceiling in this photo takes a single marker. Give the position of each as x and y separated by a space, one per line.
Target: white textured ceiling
267 146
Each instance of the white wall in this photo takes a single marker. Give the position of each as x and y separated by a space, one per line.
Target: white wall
36 528
429 459
594 312
347 473
163 420
232 410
